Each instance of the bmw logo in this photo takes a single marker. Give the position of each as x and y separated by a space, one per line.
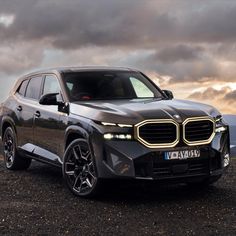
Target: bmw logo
176 116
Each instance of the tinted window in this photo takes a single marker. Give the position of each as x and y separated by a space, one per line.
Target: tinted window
34 86
51 85
22 88
109 85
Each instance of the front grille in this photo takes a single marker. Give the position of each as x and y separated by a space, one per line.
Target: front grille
165 133
158 133
198 131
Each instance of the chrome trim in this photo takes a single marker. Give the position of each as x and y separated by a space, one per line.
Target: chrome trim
154 121
201 142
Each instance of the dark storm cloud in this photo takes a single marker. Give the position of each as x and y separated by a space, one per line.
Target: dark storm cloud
183 39
183 63
178 53
72 24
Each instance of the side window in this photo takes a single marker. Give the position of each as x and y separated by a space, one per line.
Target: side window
33 89
51 85
141 89
22 88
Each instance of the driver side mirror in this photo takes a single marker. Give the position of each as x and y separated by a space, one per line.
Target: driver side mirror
50 99
168 94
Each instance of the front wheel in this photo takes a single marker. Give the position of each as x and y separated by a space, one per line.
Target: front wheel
12 159
79 169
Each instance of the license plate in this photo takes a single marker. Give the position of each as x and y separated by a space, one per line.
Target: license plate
182 154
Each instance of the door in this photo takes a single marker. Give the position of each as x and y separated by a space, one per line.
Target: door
47 133
27 99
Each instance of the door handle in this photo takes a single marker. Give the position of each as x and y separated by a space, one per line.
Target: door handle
37 114
19 108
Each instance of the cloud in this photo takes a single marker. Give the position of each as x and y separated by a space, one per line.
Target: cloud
18 57
231 97
73 24
178 53
211 93
224 98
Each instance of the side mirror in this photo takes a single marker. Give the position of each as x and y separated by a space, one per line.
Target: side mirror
50 99
168 94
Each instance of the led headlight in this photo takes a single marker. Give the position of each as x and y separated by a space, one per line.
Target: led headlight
114 124
110 136
117 136
219 127
108 124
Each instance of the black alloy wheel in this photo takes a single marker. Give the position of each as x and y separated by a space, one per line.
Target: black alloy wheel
12 159
79 169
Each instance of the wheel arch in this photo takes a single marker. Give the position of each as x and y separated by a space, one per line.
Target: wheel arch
7 122
73 132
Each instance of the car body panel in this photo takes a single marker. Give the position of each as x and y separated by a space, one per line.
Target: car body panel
137 110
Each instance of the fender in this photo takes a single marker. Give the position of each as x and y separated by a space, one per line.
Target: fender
74 129
7 119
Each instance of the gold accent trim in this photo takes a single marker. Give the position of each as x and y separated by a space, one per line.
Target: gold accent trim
154 121
201 142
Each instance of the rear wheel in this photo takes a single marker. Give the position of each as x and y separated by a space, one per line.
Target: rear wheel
12 159
79 169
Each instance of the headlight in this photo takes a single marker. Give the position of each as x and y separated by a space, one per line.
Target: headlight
114 124
117 135
110 136
220 129
219 126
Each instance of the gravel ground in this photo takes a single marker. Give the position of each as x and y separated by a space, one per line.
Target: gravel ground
36 202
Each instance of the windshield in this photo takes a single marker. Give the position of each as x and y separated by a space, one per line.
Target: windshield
109 85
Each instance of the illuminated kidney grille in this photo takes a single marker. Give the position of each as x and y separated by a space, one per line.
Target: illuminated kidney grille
198 130
158 133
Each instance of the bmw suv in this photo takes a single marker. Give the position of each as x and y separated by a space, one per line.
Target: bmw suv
106 123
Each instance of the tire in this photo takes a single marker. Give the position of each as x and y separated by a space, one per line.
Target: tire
79 169
12 159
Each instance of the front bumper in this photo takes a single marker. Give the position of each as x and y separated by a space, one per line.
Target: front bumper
131 159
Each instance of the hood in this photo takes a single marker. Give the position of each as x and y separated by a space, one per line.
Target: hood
136 110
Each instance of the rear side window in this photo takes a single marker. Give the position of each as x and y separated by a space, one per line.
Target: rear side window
22 88
34 88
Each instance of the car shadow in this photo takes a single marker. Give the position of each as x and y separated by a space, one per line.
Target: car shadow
133 191
126 191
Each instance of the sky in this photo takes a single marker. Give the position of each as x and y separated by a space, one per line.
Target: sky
187 46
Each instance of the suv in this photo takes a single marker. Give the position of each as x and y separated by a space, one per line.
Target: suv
103 123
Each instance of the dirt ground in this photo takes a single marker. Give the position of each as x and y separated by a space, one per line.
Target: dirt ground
36 202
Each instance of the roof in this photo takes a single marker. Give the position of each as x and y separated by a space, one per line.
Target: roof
61 70
79 69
